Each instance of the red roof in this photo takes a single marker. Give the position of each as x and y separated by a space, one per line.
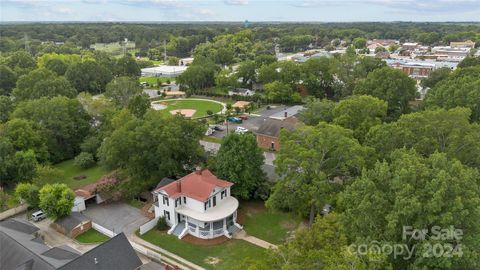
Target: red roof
197 185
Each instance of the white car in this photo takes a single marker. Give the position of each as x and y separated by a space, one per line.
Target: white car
241 130
39 215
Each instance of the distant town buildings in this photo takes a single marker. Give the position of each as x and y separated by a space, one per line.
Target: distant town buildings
163 71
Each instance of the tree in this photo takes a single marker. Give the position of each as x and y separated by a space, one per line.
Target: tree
199 75
469 62
88 76
20 62
42 83
139 105
435 77
317 111
391 85
359 113
421 192
322 246
359 43
47 174
380 49
240 161
428 132
318 78
84 160
6 107
24 165
62 121
281 92
28 193
56 200
225 78
8 79
460 89
57 65
153 147
310 158
121 89
173 61
246 71
127 66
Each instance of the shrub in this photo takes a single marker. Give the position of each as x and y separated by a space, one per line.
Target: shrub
162 224
28 193
84 160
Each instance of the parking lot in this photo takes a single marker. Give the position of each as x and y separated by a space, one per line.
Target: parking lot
253 122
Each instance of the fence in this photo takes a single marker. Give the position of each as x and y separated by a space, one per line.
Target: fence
12 212
103 230
148 226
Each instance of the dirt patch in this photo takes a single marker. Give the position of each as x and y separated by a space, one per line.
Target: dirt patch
288 224
249 208
205 242
185 112
79 177
212 260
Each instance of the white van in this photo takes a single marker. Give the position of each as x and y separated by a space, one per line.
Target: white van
39 215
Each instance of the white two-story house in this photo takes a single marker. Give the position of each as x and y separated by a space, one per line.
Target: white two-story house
199 204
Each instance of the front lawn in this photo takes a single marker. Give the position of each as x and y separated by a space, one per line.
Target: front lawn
91 236
70 171
226 256
153 81
268 225
200 106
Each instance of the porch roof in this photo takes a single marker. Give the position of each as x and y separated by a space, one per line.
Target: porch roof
224 208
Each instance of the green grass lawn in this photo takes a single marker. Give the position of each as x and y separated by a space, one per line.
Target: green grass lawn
11 200
135 203
91 236
152 81
70 171
229 254
202 106
268 225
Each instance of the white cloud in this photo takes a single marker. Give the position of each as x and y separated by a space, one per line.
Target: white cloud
236 2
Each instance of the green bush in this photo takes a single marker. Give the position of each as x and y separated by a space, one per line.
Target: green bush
162 224
28 193
84 160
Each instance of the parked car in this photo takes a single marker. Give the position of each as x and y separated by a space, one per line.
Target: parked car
216 127
39 215
327 208
235 120
241 130
243 117
209 131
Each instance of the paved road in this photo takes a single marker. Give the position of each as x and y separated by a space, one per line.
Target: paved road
213 147
118 217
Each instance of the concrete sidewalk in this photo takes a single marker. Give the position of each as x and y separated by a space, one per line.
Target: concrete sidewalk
167 256
242 235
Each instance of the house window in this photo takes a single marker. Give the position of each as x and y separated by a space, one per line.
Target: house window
178 201
214 201
165 201
184 200
223 194
166 214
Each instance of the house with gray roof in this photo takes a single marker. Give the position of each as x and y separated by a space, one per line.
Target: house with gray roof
27 251
268 133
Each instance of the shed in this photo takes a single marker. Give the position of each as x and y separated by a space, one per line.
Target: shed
73 225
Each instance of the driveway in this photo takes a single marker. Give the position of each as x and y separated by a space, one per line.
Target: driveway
118 217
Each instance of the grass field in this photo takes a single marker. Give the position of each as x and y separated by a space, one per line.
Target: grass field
227 255
114 48
152 81
271 226
201 106
91 236
70 170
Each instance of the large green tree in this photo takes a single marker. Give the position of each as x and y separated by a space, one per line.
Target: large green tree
127 66
121 89
312 163
240 161
153 147
439 130
62 121
460 89
317 111
42 83
281 92
8 79
391 85
420 192
6 107
56 200
359 113
88 76
28 193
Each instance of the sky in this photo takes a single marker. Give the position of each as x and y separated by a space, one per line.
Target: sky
239 10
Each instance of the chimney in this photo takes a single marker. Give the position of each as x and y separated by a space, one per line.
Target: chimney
179 186
198 170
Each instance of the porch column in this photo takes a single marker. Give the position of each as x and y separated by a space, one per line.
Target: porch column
211 229
224 223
